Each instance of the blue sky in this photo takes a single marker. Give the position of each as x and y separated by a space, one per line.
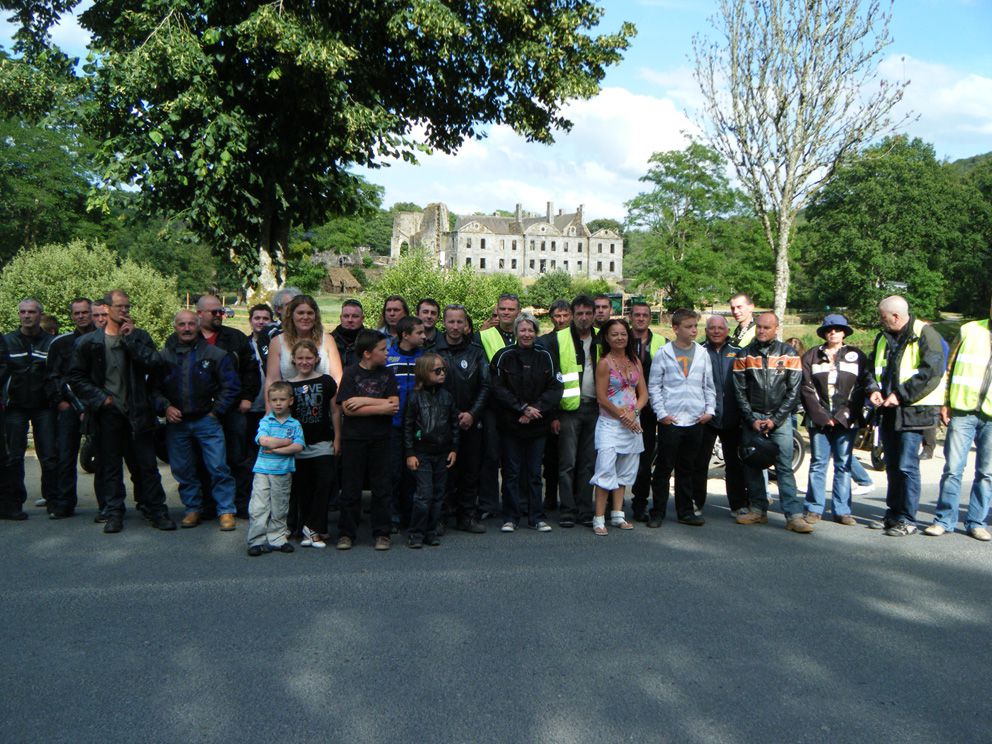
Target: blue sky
942 47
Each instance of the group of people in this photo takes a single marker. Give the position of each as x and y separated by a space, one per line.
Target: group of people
288 422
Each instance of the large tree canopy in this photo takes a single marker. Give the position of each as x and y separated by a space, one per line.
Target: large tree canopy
895 219
243 118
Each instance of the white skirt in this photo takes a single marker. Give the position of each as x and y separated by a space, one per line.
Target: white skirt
611 434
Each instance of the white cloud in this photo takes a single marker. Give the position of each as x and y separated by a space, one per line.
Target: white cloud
954 107
597 164
678 84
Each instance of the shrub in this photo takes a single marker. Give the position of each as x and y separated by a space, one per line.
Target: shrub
306 275
57 273
416 275
550 287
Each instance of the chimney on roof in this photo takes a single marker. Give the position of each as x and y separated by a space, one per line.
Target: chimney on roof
520 216
579 214
551 211
561 212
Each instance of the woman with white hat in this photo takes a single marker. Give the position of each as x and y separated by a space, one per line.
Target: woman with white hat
836 380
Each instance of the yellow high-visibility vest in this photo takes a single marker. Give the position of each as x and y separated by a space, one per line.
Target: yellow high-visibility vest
570 369
908 365
492 341
971 366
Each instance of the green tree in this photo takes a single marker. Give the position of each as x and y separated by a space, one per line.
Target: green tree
894 216
45 174
57 273
679 244
590 287
550 287
606 224
243 118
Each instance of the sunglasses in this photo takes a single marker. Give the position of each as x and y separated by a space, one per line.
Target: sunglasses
440 370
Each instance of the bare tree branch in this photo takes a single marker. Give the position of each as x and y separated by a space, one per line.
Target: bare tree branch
791 88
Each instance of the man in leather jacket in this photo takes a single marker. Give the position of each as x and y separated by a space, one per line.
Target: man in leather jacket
69 408
468 382
767 379
109 373
27 394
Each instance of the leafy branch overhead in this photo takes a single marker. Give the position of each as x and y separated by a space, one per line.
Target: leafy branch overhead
245 118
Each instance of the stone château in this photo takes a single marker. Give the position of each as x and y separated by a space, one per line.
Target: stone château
522 245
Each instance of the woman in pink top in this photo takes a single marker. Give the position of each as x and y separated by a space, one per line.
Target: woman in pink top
621 393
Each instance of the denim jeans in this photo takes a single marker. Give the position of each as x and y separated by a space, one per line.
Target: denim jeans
964 429
781 437
42 422
577 460
489 483
432 481
734 480
522 476
463 480
902 466
835 442
403 483
858 473
117 442
67 435
207 433
238 461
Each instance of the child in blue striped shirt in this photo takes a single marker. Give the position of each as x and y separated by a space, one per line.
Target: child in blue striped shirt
279 438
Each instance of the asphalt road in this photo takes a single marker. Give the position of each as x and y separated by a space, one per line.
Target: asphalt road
719 634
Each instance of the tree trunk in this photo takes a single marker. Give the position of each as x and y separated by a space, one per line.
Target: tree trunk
272 243
782 275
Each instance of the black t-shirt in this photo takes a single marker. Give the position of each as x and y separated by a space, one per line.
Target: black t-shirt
312 407
358 382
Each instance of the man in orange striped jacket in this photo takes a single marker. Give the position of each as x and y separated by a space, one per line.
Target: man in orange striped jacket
767 377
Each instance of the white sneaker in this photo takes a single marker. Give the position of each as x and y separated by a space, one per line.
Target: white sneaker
507 527
859 490
311 539
542 527
40 502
